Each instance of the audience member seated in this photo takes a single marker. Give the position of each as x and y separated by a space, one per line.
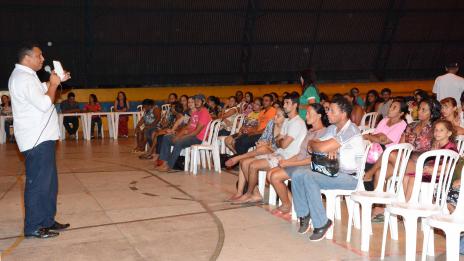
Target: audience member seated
94 106
450 112
194 134
265 145
316 118
184 101
121 104
372 103
357 111
180 126
419 134
357 99
214 108
228 116
244 142
443 138
310 93
385 105
239 96
342 141
5 110
147 125
288 144
71 123
388 132
167 125
246 106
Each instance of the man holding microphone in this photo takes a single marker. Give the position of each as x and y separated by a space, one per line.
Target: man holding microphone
36 131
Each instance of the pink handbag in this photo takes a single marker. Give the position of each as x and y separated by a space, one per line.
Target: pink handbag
374 153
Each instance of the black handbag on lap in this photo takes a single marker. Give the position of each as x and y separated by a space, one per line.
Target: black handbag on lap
320 163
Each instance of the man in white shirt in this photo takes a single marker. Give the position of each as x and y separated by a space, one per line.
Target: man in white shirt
36 130
341 140
288 142
449 85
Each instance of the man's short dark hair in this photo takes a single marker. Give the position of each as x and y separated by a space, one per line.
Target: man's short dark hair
294 97
386 90
25 49
344 105
71 94
269 96
148 102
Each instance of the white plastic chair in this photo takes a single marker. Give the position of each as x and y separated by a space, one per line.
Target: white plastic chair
272 196
368 121
460 143
333 196
139 107
423 202
236 126
210 146
112 109
452 225
187 152
380 196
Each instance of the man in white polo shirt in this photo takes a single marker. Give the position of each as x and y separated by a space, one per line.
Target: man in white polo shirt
449 85
36 131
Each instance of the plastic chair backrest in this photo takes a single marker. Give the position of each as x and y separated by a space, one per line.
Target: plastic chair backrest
443 169
460 143
459 211
165 107
139 107
112 109
403 152
209 133
237 124
360 175
369 120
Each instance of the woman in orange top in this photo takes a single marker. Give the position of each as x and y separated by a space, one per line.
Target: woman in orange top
94 106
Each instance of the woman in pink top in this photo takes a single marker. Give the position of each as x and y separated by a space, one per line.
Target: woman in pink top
387 133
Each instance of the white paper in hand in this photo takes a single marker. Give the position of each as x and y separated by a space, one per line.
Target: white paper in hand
58 69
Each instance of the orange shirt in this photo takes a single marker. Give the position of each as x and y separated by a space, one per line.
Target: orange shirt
264 117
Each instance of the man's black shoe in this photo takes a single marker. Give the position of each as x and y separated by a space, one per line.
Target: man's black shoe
319 233
304 224
58 226
42 233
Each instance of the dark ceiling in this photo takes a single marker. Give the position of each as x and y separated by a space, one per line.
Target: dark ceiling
146 42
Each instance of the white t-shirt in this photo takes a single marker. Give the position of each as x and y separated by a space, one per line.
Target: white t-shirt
351 148
448 85
32 109
295 128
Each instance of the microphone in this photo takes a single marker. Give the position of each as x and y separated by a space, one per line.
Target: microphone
48 69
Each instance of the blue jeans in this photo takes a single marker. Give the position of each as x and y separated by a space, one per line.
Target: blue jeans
306 190
182 143
41 187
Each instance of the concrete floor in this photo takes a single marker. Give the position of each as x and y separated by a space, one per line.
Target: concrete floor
121 209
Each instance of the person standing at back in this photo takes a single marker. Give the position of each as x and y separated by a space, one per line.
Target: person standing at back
449 84
310 93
